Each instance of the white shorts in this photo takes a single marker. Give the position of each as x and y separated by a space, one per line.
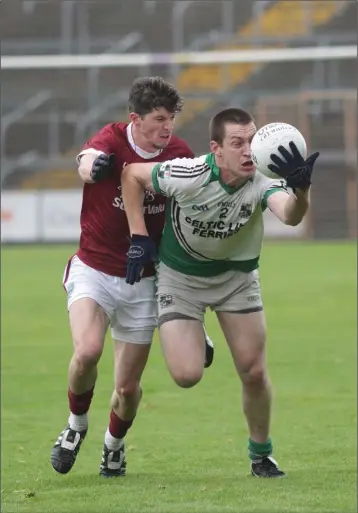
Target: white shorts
131 309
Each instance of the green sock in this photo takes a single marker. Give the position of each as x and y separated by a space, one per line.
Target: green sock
258 450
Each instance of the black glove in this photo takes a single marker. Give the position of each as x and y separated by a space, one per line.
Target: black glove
295 169
102 167
142 251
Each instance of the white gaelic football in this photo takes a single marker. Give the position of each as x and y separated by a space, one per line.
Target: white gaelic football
267 140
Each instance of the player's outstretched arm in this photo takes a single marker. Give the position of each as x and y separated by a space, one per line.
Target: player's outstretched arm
136 178
289 208
297 172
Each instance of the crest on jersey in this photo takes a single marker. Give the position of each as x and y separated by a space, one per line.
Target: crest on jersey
165 300
165 171
246 211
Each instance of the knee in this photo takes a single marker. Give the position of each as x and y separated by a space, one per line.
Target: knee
255 376
87 355
187 378
128 390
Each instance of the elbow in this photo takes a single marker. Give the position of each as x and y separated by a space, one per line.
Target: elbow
127 172
84 174
80 171
130 177
124 173
293 220
126 168
294 216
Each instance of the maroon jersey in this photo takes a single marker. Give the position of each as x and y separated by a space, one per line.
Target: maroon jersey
105 236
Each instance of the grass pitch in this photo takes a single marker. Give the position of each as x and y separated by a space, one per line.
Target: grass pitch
187 451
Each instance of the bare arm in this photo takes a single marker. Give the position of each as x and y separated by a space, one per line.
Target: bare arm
289 208
85 167
135 179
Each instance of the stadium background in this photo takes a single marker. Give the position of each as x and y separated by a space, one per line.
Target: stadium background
47 114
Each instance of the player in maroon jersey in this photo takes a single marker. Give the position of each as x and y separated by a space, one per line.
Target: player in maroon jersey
94 279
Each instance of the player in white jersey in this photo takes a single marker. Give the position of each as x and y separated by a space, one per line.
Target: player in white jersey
204 209
209 256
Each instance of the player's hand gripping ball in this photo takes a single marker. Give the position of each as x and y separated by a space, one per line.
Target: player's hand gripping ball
267 140
279 150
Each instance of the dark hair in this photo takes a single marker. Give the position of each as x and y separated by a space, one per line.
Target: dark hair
149 93
218 122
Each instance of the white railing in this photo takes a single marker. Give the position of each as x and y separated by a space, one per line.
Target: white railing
107 60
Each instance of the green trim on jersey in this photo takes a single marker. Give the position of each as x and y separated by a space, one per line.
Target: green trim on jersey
155 179
216 176
174 255
267 195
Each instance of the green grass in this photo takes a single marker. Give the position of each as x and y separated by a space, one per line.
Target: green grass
187 451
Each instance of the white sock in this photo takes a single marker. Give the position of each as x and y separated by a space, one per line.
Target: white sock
111 442
207 338
78 422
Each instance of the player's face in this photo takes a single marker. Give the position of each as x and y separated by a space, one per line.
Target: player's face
155 128
235 152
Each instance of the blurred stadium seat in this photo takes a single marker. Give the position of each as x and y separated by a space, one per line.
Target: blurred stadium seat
286 18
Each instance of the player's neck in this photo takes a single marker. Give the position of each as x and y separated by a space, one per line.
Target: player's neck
229 178
141 142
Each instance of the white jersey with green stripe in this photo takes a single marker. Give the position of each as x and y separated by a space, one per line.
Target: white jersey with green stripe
211 227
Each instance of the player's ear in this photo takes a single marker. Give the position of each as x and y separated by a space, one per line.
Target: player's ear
215 147
134 117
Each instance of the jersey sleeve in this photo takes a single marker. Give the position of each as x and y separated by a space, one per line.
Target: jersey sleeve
271 186
104 141
179 176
